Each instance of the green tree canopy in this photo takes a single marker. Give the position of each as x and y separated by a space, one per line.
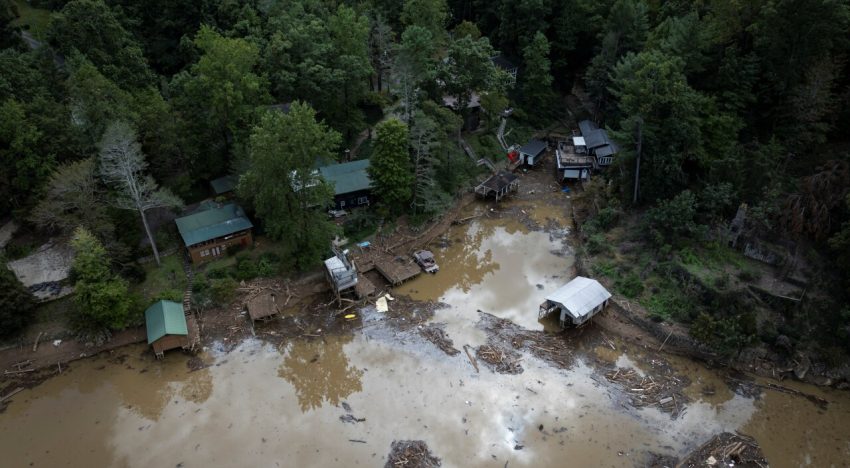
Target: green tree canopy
429 14
390 168
469 68
100 297
217 99
94 29
537 76
16 303
283 185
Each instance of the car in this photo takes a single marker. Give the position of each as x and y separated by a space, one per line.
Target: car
337 213
425 259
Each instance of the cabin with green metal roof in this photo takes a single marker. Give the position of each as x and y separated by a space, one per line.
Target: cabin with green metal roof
351 183
167 327
225 185
210 231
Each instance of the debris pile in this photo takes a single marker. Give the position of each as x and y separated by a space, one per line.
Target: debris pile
664 391
435 334
554 348
411 454
727 449
498 360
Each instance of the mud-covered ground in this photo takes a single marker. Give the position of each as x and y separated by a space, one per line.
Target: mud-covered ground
458 370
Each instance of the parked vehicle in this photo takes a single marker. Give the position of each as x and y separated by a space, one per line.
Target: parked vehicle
337 213
426 260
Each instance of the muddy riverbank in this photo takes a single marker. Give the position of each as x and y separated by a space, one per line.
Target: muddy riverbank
312 388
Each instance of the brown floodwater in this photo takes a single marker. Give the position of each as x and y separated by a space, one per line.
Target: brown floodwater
260 405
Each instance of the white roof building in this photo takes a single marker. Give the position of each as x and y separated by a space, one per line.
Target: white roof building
577 301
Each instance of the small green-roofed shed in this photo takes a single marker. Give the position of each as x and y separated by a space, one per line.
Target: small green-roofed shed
165 318
212 223
224 184
348 177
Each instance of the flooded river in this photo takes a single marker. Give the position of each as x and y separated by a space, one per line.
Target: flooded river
261 405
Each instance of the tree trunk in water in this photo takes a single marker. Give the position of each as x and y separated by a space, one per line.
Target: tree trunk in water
637 163
150 237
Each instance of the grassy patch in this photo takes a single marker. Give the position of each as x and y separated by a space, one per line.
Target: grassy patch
54 311
667 301
485 145
34 20
164 281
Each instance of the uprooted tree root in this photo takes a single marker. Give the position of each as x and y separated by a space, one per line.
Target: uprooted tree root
435 334
726 449
499 360
411 454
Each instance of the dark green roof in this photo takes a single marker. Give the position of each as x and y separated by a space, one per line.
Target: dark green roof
212 222
347 177
165 318
224 184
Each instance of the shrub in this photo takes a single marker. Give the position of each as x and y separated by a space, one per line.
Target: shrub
246 269
200 284
630 286
266 267
222 290
16 303
597 243
218 273
671 220
169 295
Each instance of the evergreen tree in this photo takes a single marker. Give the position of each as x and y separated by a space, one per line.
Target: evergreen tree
537 77
390 169
429 14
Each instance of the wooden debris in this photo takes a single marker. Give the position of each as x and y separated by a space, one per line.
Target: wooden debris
37 338
435 334
411 454
504 362
12 393
726 449
471 359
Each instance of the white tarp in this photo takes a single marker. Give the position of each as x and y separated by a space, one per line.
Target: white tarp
580 296
578 141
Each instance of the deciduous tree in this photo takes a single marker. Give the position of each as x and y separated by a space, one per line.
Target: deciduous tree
283 185
101 298
74 198
123 166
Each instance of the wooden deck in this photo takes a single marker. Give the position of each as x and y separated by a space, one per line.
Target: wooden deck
397 270
364 287
500 185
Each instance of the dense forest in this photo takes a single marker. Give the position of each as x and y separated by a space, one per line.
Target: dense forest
713 103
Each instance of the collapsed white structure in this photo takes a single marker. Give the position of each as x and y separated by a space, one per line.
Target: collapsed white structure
577 301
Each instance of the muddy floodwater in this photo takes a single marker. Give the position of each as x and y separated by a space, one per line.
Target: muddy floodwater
342 400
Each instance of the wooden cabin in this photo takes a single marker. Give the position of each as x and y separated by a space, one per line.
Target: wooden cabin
351 182
576 302
167 328
210 231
